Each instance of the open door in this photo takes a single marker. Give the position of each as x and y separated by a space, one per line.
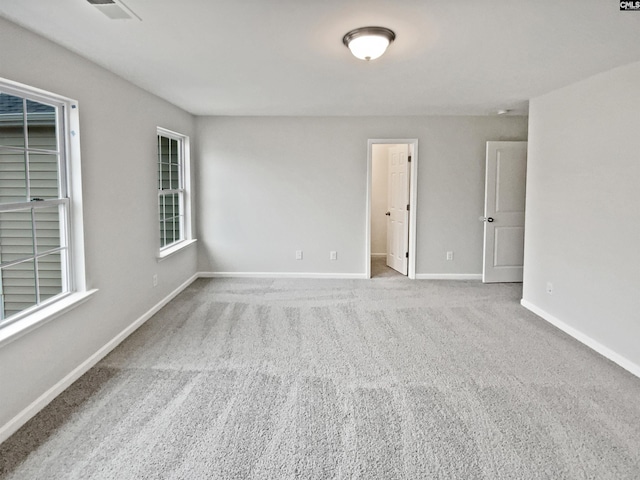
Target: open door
398 209
504 207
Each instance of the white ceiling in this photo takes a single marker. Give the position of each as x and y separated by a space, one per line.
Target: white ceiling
285 57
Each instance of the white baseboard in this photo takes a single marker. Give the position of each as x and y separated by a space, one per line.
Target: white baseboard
336 276
448 276
30 411
606 352
378 254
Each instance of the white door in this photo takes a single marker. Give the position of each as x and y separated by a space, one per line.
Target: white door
504 211
398 209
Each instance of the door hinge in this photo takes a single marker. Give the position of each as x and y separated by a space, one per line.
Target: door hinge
406 255
407 208
409 159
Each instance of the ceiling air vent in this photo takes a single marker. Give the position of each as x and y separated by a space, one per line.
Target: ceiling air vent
115 10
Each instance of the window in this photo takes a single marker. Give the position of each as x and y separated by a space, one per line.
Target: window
37 240
173 182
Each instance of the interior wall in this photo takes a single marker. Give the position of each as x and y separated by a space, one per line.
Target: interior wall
583 215
269 186
119 171
379 181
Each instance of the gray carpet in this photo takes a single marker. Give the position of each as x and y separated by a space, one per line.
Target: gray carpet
379 269
324 379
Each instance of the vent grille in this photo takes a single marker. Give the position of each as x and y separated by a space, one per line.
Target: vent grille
115 10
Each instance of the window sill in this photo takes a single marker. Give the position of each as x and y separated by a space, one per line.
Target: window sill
176 248
30 322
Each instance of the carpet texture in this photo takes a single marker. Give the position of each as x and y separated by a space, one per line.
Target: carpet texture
330 379
379 269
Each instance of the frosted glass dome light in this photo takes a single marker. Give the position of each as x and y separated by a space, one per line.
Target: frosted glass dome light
368 43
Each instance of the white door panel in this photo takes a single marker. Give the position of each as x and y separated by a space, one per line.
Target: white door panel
508 247
398 215
504 211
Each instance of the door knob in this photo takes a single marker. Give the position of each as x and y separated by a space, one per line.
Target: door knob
388 214
490 219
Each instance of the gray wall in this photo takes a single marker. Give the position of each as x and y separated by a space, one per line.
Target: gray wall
583 211
269 186
118 140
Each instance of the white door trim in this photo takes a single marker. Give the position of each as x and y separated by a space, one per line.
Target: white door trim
413 200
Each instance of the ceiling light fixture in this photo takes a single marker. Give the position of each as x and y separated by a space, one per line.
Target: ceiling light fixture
368 43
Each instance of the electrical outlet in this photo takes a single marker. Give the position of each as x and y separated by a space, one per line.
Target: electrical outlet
298 254
333 255
449 255
155 280
550 288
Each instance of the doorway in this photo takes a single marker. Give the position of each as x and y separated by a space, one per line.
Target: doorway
391 207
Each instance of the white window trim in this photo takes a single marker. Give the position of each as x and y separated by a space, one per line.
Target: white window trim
174 248
48 311
164 252
34 317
